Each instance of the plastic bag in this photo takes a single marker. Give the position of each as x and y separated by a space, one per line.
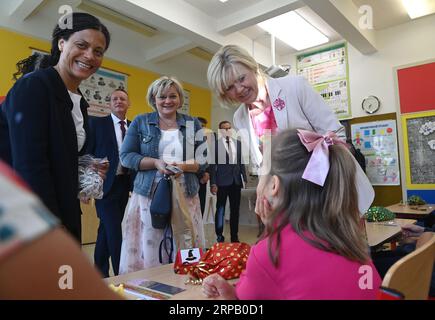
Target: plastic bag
90 182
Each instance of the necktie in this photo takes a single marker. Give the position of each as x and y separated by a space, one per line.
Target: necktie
122 125
124 170
230 151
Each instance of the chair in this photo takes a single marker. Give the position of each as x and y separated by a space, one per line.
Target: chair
411 275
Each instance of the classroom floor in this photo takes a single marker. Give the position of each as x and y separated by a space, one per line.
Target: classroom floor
247 234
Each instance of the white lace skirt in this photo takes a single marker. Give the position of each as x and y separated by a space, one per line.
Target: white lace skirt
140 243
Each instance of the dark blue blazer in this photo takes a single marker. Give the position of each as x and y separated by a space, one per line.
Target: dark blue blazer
222 174
5 148
102 143
43 142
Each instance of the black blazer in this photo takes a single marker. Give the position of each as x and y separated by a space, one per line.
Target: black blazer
222 174
102 143
5 148
43 142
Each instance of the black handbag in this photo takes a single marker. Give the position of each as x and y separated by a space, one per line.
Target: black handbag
161 204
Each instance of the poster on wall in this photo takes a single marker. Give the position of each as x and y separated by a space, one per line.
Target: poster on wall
98 88
327 71
419 138
378 143
185 108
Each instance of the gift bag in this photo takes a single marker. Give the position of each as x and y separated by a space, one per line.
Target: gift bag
226 259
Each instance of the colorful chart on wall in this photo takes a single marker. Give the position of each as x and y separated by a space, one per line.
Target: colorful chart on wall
98 88
378 143
419 144
327 71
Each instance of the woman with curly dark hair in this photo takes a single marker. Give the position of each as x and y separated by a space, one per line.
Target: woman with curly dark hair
47 117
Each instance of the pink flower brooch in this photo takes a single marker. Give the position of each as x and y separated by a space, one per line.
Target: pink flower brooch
279 104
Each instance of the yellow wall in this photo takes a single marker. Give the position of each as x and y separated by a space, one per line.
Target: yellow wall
14 47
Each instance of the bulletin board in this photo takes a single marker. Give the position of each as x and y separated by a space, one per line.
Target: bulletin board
416 103
377 141
385 195
327 70
419 144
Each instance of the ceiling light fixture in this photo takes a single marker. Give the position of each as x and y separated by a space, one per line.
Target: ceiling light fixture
294 30
419 8
223 0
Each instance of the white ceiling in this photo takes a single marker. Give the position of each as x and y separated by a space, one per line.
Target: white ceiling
217 9
386 13
180 27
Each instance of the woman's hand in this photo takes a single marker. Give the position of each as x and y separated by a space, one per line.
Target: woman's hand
214 286
161 166
263 208
213 189
205 177
84 199
179 166
102 168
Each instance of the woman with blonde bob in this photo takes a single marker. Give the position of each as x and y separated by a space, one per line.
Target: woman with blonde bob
267 105
314 246
154 141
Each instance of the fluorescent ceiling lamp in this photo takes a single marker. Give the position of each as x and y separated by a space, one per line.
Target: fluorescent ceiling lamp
294 30
419 8
223 0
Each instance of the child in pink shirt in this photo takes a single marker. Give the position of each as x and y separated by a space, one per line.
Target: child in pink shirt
314 246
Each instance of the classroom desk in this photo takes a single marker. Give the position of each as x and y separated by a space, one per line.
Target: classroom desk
406 211
377 234
164 274
380 232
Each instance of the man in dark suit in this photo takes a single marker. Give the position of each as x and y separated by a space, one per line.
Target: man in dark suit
107 134
227 176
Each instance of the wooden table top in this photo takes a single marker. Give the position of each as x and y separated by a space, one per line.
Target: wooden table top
377 234
421 210
381 232
164 274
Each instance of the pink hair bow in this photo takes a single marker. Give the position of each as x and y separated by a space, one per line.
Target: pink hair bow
318 166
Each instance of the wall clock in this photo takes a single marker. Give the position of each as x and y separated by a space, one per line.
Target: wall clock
371 104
